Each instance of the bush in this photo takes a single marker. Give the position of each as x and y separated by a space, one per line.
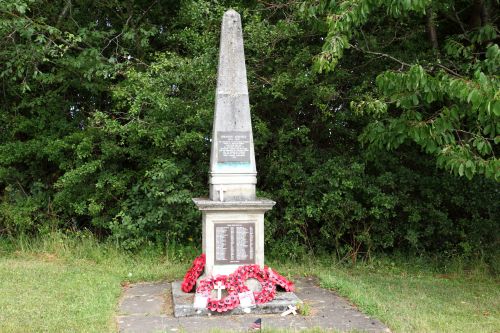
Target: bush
108 129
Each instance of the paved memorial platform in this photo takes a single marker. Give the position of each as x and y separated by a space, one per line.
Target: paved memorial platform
148 307
182 304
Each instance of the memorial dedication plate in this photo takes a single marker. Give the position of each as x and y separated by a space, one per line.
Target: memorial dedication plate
233 146
234 243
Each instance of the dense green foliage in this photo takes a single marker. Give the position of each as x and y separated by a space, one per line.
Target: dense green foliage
106 110
445 96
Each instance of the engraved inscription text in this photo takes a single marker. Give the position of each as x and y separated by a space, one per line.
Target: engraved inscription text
233 146
234 243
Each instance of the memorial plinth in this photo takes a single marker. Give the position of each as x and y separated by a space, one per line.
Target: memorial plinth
233 233
183 304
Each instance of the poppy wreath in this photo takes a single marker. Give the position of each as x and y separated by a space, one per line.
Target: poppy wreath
234 284
280 280
193 273
224 304
243 273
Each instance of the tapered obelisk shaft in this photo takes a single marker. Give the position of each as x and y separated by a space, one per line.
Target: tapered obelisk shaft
232 161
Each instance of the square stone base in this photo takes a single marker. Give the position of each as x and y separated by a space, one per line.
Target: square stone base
183 304
221 250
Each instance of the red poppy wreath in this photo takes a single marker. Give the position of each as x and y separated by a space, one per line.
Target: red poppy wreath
193 273
243 273
234 284
223 304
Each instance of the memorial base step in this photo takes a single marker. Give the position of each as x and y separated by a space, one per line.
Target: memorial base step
183 304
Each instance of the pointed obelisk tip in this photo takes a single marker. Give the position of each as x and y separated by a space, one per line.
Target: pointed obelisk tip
231 13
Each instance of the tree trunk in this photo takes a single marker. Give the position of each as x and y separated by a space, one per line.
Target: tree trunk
431 28
484 14
475 20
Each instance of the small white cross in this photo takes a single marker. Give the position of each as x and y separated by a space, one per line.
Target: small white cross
271 273
291 309
221 193
219 288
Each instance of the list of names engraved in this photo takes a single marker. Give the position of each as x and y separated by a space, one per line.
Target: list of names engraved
234 243
221 238
233 146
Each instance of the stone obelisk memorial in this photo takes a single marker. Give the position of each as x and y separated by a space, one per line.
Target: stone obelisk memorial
233 217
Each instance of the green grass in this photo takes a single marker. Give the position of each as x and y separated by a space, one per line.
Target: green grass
415 295
72 284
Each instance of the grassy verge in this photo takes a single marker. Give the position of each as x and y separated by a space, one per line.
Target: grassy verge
72 284
414 295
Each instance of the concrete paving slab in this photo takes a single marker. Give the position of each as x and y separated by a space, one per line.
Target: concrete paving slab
145 289
135 323
328 311
143 305
143 298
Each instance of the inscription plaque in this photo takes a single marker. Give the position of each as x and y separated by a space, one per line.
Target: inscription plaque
233 146
234 243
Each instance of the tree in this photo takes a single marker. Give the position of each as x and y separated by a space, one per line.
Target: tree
440 88
106 113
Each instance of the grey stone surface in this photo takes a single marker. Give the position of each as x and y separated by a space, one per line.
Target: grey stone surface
143 298
213 247
328 311
232 181
146 324
233 174
260 204
183 304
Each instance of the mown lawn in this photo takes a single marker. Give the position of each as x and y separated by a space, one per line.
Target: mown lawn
72 284
422 301
40 295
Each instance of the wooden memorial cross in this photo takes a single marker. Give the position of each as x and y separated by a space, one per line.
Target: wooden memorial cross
221 193
219 287
291 309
